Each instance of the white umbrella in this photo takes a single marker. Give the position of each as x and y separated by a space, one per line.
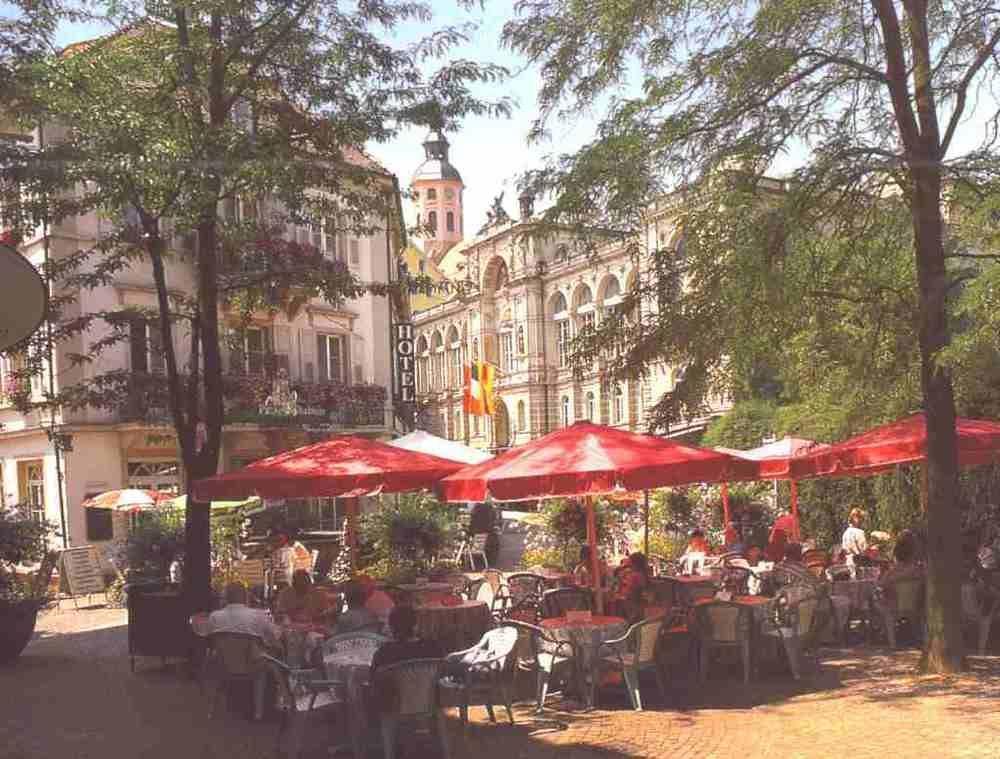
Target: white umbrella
130 499
424 442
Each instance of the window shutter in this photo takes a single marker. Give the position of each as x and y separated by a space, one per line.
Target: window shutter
307 354
322 358
137 345
157 361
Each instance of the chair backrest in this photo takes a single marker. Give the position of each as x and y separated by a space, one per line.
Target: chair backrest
496 650
646 634
238 653
738 561
495 579
352 641
909 595
282 675
477 543
729 556
457 581
723 622
408 688
735 579
473 587
555 603
837 572
529 640
815 557
525 587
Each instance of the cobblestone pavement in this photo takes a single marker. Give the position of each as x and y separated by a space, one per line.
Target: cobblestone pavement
71 696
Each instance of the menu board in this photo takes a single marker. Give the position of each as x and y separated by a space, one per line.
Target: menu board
81 570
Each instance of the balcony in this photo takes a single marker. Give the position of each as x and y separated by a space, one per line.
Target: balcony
267 401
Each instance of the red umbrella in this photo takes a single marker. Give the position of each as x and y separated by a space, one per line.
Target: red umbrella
588 459
774 463
901 442
347 465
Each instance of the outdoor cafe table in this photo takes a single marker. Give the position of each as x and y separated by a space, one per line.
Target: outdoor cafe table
425 591
585 636
455 625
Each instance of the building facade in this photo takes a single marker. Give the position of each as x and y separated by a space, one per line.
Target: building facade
526 293
292 376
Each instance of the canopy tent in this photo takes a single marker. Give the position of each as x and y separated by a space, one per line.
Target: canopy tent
587 459
425 442
773 463
345 466
901 442
129 499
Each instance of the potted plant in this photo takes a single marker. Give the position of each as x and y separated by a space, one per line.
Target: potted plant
23 542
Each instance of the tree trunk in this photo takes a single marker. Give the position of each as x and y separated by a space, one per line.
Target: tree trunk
944 650
197 542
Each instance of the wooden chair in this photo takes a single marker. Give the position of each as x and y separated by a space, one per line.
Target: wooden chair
555 603
537 650
407 692
301 693
634 652
235 658
721 624
487 672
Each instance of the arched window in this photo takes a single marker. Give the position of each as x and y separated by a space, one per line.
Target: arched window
617 404
432 194
584 307
522 417
565 411
437 361
432 221
564 331
449 221
421 351
454 359
591 407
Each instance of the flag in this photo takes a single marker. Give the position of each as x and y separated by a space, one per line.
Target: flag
477 397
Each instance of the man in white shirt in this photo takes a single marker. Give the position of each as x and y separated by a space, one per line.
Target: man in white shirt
237 617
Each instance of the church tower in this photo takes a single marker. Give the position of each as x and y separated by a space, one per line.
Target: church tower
437 187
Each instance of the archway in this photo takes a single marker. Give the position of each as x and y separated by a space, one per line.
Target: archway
501 425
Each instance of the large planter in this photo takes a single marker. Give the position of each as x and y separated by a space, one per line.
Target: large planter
17 625
158 622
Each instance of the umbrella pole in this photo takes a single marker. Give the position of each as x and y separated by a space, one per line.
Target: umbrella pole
595 565
352 531
726 517
645 524
795 509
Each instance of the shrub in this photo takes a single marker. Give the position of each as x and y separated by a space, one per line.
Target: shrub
411 532
23 541
154 542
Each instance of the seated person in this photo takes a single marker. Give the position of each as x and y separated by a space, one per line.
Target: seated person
302 601
904 568
753 555
631 585
403 646
776 542
357 617
237 617
581 573
732 540
697 542
377 601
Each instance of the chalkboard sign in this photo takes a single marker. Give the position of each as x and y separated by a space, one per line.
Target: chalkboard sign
81 570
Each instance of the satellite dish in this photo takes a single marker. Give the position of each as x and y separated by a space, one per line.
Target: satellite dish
24 297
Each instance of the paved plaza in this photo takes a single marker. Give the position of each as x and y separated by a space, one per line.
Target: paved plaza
72 696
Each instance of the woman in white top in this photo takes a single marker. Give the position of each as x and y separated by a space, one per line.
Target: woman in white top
854 541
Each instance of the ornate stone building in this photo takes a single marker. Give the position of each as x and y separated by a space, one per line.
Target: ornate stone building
526 294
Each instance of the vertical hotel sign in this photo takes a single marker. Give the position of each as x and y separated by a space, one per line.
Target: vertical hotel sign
406 378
